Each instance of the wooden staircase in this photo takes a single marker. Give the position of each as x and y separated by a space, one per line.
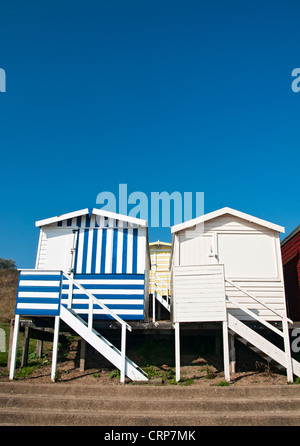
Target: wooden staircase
261 345
102 345
82 328
258 343
162 295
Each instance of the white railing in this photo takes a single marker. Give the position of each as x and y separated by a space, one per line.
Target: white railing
285 329
94 301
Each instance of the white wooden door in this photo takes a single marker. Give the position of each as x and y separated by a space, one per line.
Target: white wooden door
199 250
59 249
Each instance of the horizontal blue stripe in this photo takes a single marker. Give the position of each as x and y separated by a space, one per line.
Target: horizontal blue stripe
125 317
39 277
110 276
28 312
90 286
105 296
38 300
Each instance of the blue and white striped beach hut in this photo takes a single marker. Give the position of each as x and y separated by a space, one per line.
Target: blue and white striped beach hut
90 264
105 253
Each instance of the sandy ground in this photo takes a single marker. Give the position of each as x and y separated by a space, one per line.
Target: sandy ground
196 370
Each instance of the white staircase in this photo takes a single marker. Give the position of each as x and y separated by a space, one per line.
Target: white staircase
82 328
161 294
102 345
257 342
247 335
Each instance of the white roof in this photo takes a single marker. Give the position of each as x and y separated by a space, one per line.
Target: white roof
48 221
225 211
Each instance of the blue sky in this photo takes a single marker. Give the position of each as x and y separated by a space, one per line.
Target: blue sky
159 95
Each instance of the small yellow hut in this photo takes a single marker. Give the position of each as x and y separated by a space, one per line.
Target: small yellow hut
159 288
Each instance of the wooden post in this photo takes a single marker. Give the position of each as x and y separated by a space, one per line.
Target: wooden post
14 348
90 316
226 351
39 348
218 344
177 350
153 306
24 360
10 344
82 355
232 354
55 346
123 352
287 348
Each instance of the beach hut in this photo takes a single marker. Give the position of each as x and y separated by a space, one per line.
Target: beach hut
290 249
159 287
90 264
226 268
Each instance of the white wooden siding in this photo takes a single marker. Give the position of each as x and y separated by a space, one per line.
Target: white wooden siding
199 294
269 292
251 256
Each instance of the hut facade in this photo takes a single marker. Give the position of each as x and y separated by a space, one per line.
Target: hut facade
226 267
90 264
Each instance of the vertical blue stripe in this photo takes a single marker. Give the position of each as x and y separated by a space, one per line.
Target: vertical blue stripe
115 250
94 251
85 244
124 256
85 248
103 251
134 250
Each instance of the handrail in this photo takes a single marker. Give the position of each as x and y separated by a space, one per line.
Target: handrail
285 328
98 302
258 300
162 283
258 318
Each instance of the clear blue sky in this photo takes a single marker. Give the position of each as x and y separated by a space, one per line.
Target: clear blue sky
161 95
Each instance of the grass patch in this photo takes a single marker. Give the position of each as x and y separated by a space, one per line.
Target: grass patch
223 384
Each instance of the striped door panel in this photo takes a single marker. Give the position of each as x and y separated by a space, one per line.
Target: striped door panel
38 293
106 245
122 293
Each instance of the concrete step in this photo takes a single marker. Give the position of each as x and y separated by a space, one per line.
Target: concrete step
147 405
168 391
13 417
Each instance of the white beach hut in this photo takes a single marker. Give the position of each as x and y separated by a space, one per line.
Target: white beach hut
226 267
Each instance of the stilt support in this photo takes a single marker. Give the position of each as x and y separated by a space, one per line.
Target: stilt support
287 348
226 351
14 348
123 353
177 350
232 354
82 355
55 347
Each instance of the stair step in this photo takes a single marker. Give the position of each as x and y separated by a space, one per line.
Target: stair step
147 404
23 403
102 418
